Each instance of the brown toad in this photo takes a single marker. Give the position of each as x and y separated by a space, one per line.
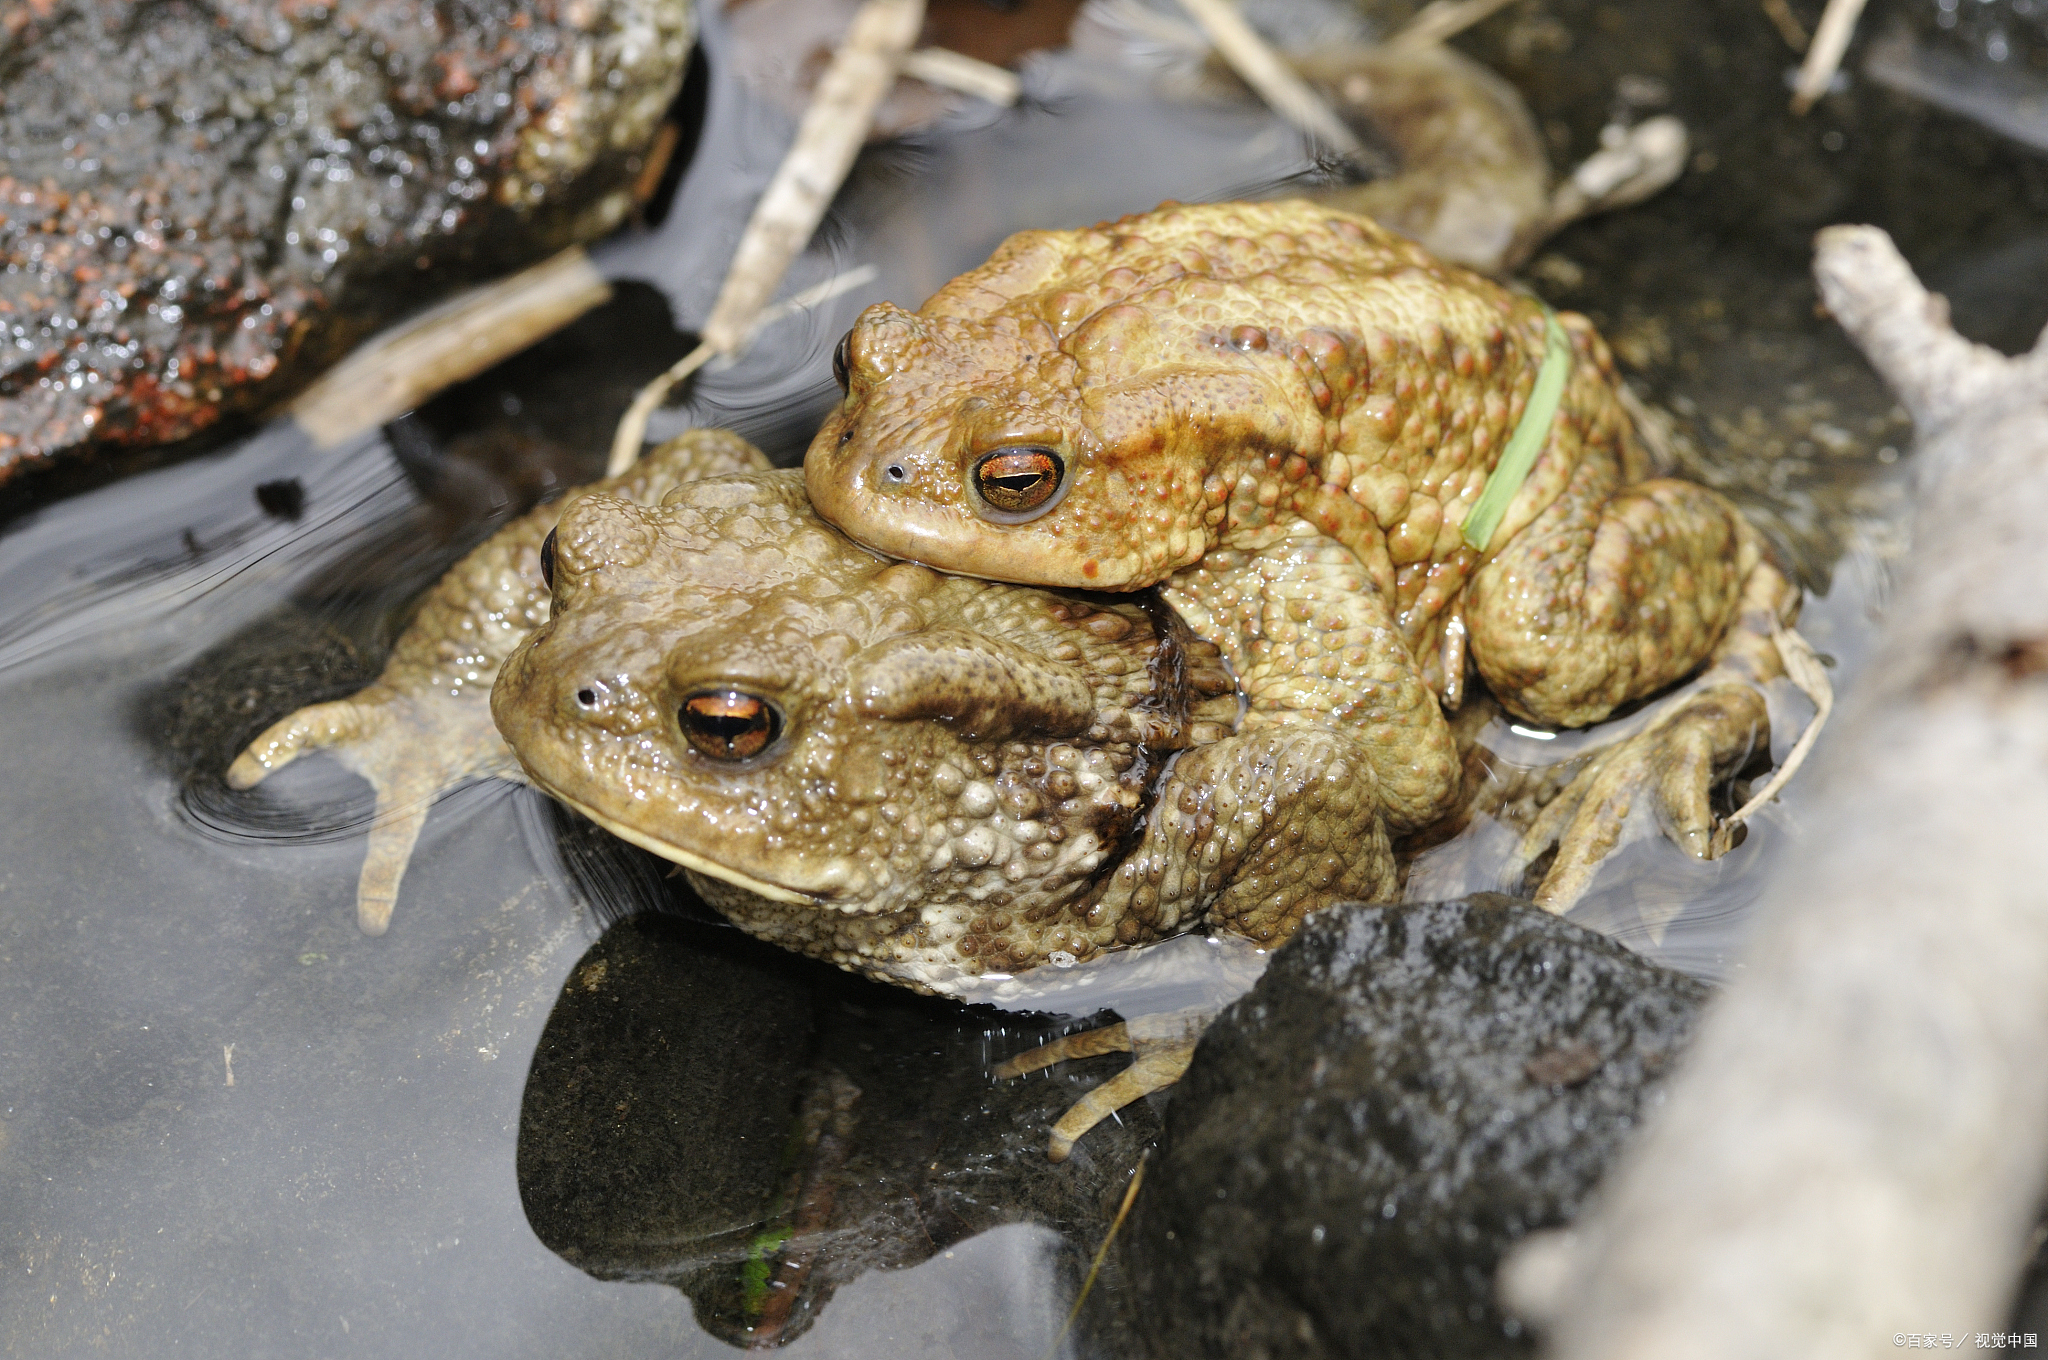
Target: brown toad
923 778
1286 418
914 776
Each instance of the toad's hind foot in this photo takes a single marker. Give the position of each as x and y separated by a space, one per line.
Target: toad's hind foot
1703 740
1162 1046
1087 1043
1670 770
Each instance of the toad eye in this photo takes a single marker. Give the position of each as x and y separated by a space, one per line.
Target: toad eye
727 724
1020 480
547 560
842 360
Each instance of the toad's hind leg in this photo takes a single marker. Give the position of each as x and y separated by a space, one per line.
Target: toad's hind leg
1605 599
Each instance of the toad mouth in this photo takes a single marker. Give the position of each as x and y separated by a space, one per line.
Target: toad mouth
761 887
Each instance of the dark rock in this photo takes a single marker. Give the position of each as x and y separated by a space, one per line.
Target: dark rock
202 203
1407 1091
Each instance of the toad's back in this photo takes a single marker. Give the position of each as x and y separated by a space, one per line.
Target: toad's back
1200 371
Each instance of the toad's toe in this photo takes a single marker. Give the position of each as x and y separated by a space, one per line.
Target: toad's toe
1162 1046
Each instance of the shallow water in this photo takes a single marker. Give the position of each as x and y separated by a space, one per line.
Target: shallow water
230 1124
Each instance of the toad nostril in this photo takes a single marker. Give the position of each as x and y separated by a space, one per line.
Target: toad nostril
896 472
587 697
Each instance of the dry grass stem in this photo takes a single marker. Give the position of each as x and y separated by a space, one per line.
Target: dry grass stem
632 429
1443 19
1787 23
393 372
1275 81
955 71
1824 57
1812 678
1123 1211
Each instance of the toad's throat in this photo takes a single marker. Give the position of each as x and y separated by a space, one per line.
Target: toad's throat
775 892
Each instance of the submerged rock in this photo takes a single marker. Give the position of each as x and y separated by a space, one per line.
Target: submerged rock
1406 1092
202 202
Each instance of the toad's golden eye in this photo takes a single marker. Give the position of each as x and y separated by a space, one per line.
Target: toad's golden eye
547 560
842 360
728 725
1018 480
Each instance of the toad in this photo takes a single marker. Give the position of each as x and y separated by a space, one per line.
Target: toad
1365 475
926 779
918 777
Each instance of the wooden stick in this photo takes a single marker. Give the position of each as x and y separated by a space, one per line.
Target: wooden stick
1276 82
834 127
395 371
1853 1147
829 137
955 71
1824 57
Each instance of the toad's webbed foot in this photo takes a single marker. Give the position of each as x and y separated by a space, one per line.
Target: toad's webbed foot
1704 739
1671 769
1161 1047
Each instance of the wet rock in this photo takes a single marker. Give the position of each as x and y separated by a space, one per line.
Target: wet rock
202 203
1406 1092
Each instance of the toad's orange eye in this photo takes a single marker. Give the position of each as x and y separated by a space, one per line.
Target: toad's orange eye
547 560
728 725
1017 481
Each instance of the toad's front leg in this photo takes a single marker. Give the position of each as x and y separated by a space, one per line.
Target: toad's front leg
425 725
1342 744
1605 599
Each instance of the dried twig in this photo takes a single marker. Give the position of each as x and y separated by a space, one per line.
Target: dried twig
831 134
1441 20
1276 82
1787 23
834 127
1644 159
393 372
1824 57
955 71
